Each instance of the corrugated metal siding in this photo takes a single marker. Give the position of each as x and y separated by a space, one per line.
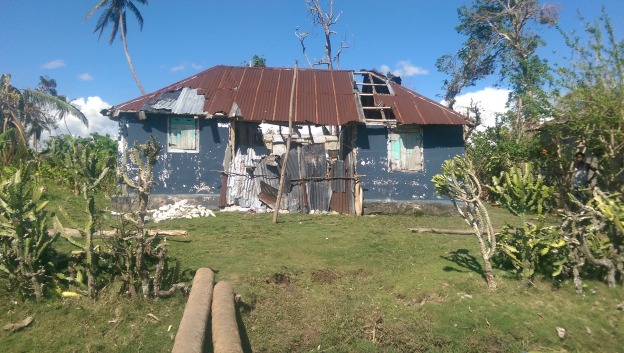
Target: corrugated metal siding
323 97
242 186
319 191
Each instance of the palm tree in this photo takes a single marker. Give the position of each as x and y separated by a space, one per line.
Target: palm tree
115 14
27 113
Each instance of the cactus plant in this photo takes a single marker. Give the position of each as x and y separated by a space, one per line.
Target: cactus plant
25 250
83 165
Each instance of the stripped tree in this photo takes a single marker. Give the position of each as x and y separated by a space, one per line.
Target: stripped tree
324 19
459 183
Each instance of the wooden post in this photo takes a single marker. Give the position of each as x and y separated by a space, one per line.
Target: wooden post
283 171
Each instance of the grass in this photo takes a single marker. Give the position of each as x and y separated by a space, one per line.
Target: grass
338 284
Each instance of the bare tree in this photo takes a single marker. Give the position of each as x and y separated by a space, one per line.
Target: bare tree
459 182
324 19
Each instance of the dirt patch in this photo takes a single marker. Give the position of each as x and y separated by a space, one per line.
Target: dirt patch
279 278
429 298
325 276
362 272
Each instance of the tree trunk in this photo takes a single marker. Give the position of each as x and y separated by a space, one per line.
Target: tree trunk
489 275
125 46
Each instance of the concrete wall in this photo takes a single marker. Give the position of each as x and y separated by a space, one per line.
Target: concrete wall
183 173
440 142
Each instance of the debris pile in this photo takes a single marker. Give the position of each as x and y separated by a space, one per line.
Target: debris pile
180 209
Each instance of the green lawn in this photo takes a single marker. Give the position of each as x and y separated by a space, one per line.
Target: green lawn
338 284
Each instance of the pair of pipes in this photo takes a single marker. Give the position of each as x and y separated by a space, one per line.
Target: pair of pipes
206 297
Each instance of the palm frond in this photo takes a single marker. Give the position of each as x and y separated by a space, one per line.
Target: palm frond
137 14
53 103
93 10
115 20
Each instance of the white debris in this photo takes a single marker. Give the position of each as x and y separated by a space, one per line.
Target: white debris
236 209
180 209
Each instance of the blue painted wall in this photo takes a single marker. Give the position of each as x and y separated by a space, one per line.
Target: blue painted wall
183 173
440 142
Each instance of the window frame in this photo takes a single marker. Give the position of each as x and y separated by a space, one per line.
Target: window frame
171 121
399 160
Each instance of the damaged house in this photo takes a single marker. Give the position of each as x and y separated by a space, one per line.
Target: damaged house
357 135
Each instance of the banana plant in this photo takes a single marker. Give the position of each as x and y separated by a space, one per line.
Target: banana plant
25 253
88 174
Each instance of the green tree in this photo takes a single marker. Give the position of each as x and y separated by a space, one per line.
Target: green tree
502 41
591 110
43 109
114 13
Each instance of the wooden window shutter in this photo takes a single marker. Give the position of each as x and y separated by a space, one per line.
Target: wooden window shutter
183 133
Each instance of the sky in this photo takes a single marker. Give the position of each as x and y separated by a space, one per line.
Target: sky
181 38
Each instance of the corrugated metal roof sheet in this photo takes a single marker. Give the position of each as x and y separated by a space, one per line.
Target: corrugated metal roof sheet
322 97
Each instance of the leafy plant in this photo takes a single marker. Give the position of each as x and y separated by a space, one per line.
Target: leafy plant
533 247
25 252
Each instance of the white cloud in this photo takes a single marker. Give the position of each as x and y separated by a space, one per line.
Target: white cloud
178 68
90 107
490 100
197 67
85 77
404 68
54 64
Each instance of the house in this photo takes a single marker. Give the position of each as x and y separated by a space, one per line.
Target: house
356 135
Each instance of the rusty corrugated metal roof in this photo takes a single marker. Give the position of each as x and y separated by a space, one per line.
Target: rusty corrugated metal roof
322 97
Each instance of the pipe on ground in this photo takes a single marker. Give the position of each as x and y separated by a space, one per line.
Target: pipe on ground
225 335
192 331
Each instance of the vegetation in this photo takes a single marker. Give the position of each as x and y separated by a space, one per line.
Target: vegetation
502 42
139 257
330 283
459 182
25 244
26 113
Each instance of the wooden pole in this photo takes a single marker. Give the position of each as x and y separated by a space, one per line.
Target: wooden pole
283 171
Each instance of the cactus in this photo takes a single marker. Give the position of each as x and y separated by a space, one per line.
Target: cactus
25 243
521 192
135 251
82 164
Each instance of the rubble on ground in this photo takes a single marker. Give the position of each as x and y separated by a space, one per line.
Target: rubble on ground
180 209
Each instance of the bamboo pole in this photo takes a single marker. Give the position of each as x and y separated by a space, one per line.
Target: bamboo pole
283 171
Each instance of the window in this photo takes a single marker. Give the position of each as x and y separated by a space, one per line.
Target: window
183 135
405 150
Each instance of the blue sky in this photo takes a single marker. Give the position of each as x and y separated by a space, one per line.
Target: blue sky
181 38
